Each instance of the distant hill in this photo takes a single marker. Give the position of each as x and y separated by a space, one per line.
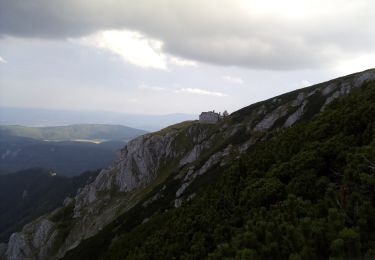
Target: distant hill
73 132
28 194
69 150
52 117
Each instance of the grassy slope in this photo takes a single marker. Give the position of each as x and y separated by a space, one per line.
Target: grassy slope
307 193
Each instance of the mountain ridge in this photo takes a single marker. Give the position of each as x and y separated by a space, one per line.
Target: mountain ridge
171 161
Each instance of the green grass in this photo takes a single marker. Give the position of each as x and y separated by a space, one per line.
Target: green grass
272 202
306 194
177 126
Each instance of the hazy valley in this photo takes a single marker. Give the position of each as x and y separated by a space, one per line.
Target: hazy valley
65 150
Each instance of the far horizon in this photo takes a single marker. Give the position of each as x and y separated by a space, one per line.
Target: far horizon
44 117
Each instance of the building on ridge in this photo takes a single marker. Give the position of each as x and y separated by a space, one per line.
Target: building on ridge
209 117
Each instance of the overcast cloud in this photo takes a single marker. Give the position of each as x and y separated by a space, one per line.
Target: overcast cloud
278 35
2 60
169 56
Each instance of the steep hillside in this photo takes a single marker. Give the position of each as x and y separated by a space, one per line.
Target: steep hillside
307 193
190 189
28 194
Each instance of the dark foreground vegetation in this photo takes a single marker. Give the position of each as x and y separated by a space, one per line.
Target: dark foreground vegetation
28 194
307 193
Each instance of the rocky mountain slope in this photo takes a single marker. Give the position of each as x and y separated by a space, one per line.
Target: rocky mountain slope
161 171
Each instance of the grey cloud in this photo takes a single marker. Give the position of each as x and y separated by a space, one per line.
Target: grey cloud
217 32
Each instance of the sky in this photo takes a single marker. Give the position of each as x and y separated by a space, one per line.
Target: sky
174 56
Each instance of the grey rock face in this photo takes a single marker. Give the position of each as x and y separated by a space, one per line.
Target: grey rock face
299 100
214 159
295 116
195 153
334 91
182 189
41 233
363 77
18 248
331 92
268 121
34 242
68 201
45 249
328 90
138 164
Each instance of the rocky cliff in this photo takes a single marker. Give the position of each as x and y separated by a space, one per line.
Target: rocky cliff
168 162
